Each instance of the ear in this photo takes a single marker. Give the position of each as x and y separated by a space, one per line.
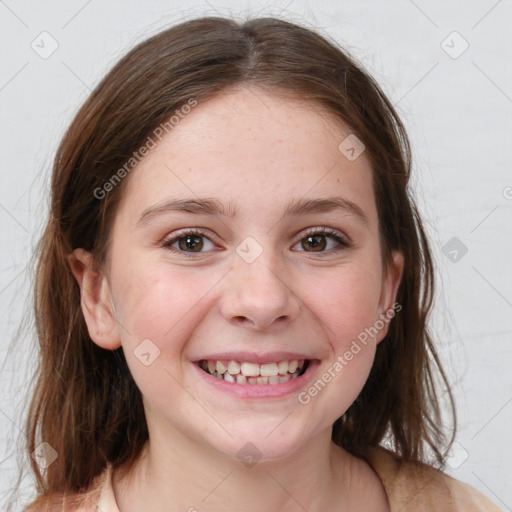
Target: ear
96 300
390 283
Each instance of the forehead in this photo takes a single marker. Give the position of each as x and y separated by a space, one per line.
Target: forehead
253 149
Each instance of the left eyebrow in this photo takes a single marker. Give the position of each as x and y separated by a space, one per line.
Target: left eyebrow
325 205
212 206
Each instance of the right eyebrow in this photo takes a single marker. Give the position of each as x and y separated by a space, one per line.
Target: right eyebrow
205 206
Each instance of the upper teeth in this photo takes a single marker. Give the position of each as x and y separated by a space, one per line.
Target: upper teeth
253 369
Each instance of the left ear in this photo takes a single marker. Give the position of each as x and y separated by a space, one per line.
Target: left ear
390 283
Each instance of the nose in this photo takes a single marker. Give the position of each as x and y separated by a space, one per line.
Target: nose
258 295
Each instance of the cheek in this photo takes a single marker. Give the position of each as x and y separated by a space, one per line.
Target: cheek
347 307
347 302
157 311
159 303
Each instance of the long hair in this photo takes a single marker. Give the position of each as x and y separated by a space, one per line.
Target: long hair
85 403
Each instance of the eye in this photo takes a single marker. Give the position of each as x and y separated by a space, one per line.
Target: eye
190 240
315 238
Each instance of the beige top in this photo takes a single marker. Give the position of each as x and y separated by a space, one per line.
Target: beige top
418 488
410 487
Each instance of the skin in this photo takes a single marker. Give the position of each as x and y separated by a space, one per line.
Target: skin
259 151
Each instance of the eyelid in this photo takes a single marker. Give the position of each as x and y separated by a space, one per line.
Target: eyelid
323 230
187 231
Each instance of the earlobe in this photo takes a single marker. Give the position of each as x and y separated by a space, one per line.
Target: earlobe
95 300
391 283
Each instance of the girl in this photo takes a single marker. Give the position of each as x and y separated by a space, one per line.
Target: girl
233 289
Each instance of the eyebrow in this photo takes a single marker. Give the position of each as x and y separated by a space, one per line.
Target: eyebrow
212 206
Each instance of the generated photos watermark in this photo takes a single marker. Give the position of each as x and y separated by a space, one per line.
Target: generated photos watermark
156 135
304 397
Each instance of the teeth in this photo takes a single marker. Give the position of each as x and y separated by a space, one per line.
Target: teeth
228 377
252 373
233 367
273 380
257 381
221 368
283 367
250 369
267 370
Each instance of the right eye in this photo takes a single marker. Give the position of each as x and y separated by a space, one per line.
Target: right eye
189 242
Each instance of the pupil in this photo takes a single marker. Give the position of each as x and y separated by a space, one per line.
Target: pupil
191 241
315 244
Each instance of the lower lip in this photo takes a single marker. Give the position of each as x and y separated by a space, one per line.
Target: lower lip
260 390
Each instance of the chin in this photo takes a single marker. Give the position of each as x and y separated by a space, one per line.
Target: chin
260 443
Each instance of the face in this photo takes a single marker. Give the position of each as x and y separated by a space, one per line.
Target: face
274 280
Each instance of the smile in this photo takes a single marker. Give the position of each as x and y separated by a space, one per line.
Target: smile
255 374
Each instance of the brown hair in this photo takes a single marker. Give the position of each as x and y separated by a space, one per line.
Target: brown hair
85 401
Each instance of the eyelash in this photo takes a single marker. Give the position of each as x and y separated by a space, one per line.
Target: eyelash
341 240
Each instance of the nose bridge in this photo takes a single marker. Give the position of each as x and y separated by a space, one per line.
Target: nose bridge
259 291
262 278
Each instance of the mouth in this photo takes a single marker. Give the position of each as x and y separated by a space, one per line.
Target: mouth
253 374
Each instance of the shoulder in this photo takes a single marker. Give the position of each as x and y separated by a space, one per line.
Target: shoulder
90 499
418 487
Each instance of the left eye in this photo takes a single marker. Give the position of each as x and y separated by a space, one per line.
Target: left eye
312 240
191 242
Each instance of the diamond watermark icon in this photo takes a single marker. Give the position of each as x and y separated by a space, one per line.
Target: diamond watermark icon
351 147
249 455
249 250
44 455
454 249
146 352
454 45
457 456
44 45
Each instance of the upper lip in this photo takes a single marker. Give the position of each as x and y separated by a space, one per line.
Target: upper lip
255 357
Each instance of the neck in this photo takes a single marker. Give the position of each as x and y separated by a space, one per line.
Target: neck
181 474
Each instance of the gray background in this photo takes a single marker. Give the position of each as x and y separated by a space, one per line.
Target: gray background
456 105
